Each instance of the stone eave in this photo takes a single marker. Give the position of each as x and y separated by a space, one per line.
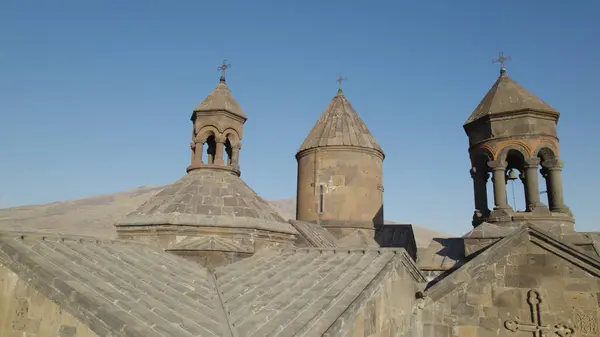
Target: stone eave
222 112
507 115
195 220
348 148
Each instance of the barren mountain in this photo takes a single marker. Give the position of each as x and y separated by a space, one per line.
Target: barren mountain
95 216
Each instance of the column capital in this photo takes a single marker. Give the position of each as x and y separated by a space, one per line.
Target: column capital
220 139
192 145
497 165
553 165
532 163
237 145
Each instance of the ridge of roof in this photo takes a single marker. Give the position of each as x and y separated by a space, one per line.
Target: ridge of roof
221 99
506 96
340 125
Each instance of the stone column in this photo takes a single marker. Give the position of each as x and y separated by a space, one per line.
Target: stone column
480 177
498 169
220 143
193 147
235 153
553 170
532 189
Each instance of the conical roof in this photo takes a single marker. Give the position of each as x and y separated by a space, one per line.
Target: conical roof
221 98
507 96
212 198
340 125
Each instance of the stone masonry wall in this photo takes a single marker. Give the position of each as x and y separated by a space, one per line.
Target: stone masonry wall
24 312
528 288
388 311
352 186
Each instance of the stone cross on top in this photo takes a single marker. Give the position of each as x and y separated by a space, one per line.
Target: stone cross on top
222 69
501 59
340 79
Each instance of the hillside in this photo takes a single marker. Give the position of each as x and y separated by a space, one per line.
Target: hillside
96 215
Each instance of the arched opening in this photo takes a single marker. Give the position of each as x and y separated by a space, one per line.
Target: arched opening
211 150
515 176
228 152
545 156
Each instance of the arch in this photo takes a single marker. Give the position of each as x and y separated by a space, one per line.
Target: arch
205 132
513 147
545 152
232 135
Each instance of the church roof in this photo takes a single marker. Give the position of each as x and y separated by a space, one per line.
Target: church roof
209 197
126 288
221 98
301 292
507 96
340 125
118 288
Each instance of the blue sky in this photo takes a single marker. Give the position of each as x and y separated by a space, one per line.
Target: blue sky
95 96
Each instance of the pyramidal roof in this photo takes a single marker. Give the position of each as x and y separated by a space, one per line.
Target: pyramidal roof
340 125
221 98
507 96
212 198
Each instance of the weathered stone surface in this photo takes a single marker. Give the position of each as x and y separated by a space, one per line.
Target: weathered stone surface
313 235
340 182
117 286
528 279
315 292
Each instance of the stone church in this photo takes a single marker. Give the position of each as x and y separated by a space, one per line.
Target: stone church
207 256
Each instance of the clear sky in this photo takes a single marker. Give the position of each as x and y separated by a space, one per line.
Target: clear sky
96 96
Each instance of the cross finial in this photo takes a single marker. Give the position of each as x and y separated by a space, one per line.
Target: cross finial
501 59
222 69
340 79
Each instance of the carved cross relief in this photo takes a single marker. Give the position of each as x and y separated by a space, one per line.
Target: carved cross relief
536 327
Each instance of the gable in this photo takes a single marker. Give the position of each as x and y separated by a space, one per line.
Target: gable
493 295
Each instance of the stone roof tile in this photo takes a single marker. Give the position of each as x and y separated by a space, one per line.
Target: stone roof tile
117 287
208 197
315 234
507 96
212 243
340 125
298 292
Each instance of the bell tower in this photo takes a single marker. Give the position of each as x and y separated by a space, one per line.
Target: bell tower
217 129
512 135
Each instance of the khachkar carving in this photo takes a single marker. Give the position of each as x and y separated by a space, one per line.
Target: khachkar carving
536 327
586 322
